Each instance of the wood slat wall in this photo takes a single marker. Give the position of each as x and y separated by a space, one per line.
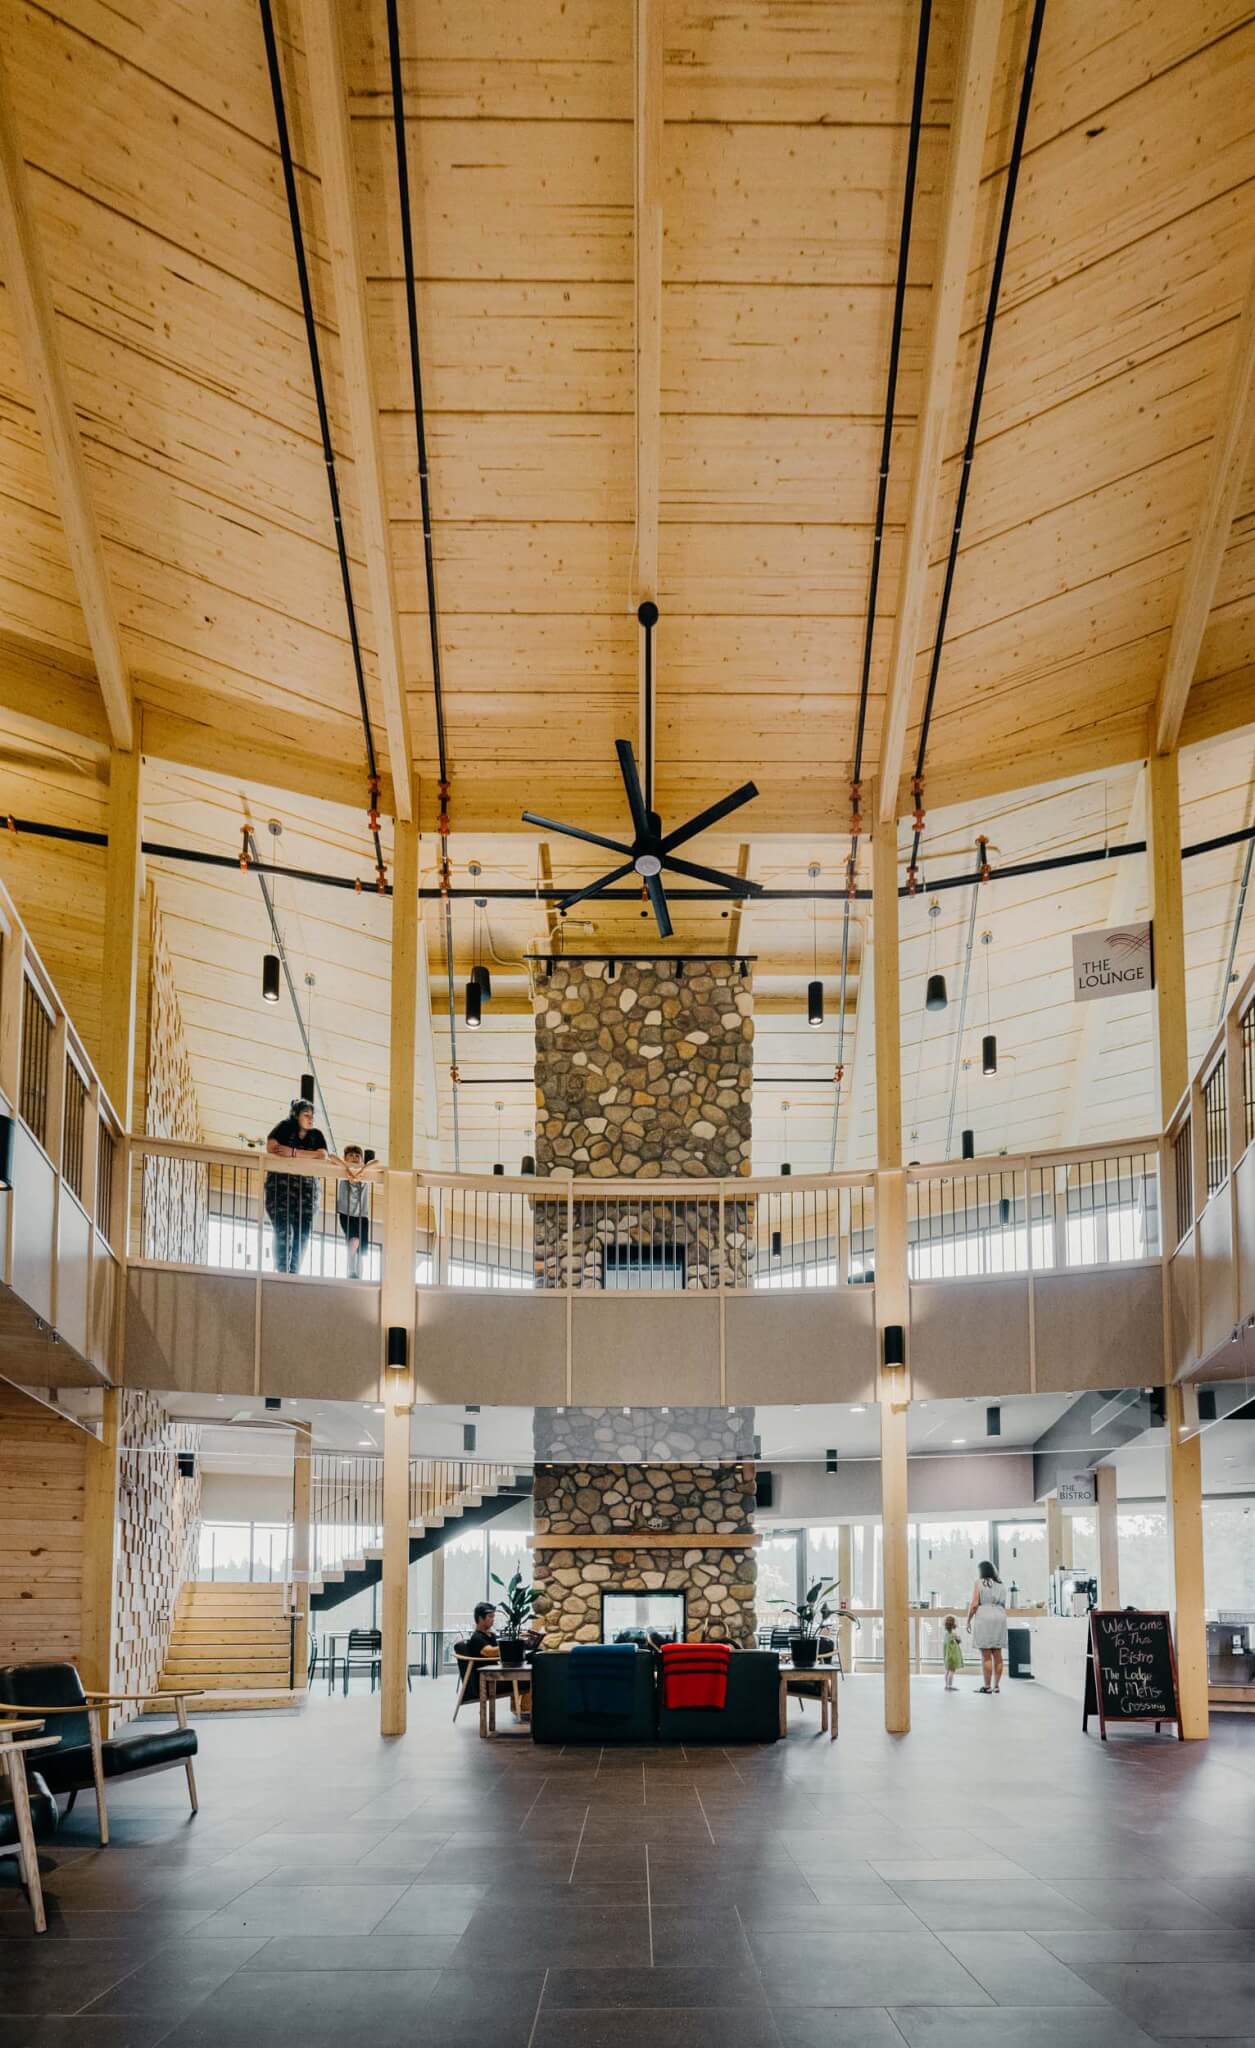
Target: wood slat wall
42 1464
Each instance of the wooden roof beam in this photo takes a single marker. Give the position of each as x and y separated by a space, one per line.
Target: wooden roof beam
977 60
1230 452
34 320
329 101
648 315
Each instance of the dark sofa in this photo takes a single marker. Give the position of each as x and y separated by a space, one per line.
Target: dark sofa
752 1712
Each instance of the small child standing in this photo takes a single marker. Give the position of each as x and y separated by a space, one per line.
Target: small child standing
353 1210
952 1651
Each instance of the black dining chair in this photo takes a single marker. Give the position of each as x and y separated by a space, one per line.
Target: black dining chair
364 1653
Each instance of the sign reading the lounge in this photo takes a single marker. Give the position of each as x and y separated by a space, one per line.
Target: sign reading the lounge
1116 962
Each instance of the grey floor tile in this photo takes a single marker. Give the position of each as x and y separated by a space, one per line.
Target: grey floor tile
1025 1904
1016 1970
665 1985
854 2026
42 1976
285 2008
306 1909
374 1952
666 2027
712 1935
864 1969
1123 1945
1005 2026
587 1936
1181 1999
177 1977
1139 1902
83 2032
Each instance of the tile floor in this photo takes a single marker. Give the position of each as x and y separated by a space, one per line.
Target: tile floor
996 1878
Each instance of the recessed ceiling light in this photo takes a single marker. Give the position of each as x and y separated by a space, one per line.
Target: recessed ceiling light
958 1439
858 1408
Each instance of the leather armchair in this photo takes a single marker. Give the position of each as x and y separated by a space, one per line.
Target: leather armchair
29 1813
83 1754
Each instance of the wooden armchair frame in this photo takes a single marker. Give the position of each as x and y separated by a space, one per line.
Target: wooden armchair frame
13 1762
96 1705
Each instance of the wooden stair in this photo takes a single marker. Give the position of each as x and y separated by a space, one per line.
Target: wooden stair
233 1642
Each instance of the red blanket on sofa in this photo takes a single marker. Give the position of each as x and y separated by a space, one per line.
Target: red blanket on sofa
695 1674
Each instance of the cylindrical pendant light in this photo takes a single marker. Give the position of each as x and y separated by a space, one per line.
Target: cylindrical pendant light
968 1139
935 997
473 1013
307 1087
814 1003
989 1054
814 987
483 981
270 977
499 1168
529 1163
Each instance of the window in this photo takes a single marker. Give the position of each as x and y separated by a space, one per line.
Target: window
1021 1559
257 1551
777 1577
1145 1577
1229 1556
465 1577
944 1557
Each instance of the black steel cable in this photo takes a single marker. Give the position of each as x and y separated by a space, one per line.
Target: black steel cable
978 393
891 385
320 398
416 376
33 828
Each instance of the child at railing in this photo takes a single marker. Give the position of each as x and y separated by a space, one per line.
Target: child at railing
951 1652
353 1208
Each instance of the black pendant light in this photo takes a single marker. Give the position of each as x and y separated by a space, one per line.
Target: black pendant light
499 1167
479 972
988 1044
270 977
935 997
968 1142
473 1012
815 987
308 1085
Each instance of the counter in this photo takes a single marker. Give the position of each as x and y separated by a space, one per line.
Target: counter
1060 1647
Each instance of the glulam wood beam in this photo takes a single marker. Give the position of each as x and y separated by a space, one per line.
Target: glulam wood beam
649 72
977 62
1230 455
34 321
330 108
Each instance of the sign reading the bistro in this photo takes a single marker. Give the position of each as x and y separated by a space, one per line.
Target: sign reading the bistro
1076 1489
1116 962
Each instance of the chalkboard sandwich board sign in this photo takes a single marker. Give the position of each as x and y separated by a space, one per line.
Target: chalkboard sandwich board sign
1131 1670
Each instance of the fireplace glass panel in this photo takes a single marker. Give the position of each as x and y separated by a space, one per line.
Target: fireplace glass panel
634 1617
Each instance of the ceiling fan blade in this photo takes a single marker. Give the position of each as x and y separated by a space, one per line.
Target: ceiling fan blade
595 888
574 832
632 784
735 885
705 819
658 897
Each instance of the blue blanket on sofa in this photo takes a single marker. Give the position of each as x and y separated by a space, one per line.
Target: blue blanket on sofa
601 1678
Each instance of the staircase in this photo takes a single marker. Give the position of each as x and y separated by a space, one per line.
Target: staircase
446 1498
234 1643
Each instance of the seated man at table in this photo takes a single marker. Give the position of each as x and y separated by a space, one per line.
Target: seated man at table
482 1641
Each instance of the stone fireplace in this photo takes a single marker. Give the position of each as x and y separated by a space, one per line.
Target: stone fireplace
643 1073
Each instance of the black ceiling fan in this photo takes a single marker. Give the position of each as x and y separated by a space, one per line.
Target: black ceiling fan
652 849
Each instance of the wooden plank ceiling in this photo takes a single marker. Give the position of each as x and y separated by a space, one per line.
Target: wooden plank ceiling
157 208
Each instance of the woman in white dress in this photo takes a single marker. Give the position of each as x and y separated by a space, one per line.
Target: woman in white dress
987 1624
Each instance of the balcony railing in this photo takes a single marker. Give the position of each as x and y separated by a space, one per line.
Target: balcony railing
1052 1213
58 1250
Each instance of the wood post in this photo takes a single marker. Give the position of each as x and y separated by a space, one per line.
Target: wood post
399 1241
892 1289
845 1592
302 1495
1108 1538
121 945
1184 1463
1058 1536
100 1539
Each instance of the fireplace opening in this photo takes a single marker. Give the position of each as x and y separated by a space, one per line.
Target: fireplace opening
659 1267
636 1617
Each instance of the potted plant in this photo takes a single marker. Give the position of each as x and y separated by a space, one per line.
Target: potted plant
810 1615
516 1605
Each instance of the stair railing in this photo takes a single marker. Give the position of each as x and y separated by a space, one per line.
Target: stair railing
346 1499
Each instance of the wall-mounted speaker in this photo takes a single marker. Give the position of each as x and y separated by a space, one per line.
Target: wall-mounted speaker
830 1461
764 1489
274 1401
186 1462
468 1435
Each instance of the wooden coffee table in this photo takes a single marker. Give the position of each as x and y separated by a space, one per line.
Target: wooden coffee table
825 1677
495 1679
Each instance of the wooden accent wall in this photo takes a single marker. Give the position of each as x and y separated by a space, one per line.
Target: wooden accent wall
174 1197
158 1537
42 1468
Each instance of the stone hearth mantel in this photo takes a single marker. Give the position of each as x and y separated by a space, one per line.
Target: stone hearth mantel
644 1539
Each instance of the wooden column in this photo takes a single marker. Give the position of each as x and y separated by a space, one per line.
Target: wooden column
302 1493
399 1238
1184 1465
892 1290
1108 1538
1058 1536
123 866
100 1545
845 1591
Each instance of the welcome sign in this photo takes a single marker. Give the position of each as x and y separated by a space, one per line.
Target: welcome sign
1116 962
